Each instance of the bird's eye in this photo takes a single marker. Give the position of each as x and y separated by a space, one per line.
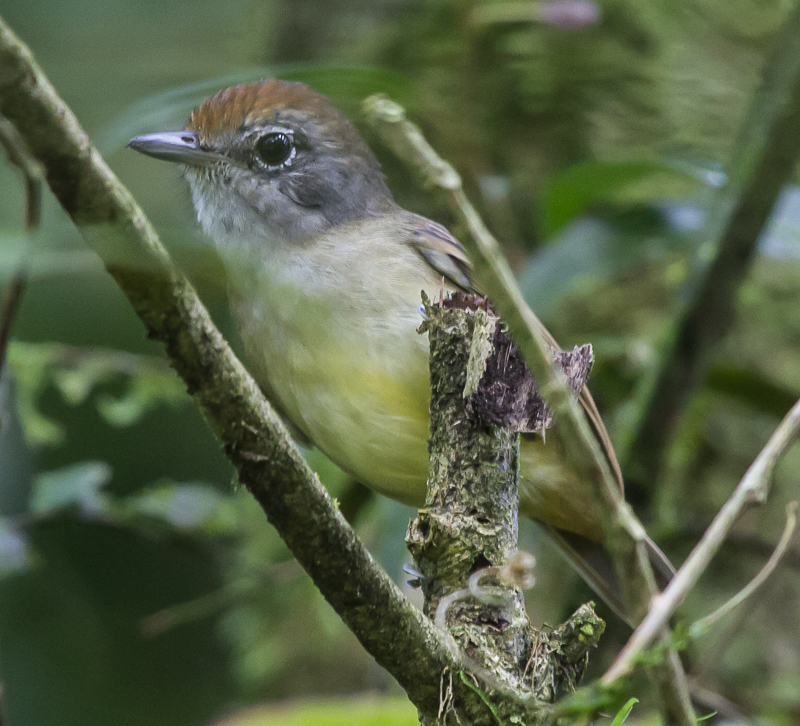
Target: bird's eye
275 149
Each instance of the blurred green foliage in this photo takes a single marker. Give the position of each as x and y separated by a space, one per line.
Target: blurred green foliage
76 373
136 585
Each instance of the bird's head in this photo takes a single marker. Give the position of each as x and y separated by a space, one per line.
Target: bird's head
273 160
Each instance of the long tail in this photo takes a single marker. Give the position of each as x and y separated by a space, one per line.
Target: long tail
572 547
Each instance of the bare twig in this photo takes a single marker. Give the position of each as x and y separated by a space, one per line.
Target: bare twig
752 489
704 624
624 534
762 162
18 155
10 306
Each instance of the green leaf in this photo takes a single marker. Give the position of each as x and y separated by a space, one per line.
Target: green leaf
467 682
76 384
77 372
624 712
77 486
706 717
188 507
593 251
32 369
578 189
147 389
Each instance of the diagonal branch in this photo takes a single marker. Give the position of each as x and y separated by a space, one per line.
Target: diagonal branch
752 489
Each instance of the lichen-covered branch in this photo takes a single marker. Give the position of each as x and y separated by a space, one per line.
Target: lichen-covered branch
464 540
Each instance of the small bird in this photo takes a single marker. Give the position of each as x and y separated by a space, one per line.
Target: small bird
325 272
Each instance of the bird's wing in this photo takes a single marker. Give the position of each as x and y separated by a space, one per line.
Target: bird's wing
446 255
442 252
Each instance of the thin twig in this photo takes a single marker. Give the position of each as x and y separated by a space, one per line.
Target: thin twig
704 624
624 534
10 306
752 489
18 155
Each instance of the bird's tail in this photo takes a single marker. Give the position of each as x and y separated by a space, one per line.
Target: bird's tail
601 578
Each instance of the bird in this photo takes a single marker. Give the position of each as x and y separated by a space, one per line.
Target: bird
324 273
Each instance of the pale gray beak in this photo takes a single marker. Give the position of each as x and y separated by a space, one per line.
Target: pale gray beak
182 147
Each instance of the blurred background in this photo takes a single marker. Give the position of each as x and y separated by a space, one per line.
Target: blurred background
598 139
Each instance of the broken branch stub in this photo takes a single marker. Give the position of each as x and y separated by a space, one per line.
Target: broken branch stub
464 540
500 389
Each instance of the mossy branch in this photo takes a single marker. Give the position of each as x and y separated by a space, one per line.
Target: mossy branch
464 540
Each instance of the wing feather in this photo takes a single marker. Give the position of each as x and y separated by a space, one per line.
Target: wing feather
442 252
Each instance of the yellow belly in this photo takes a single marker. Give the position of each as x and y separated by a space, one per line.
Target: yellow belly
370 423
370 416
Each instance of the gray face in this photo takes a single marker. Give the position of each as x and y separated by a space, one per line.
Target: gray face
281 179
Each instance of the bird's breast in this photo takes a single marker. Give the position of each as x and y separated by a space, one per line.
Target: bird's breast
334 339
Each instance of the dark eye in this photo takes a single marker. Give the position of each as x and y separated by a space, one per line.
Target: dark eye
275 149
